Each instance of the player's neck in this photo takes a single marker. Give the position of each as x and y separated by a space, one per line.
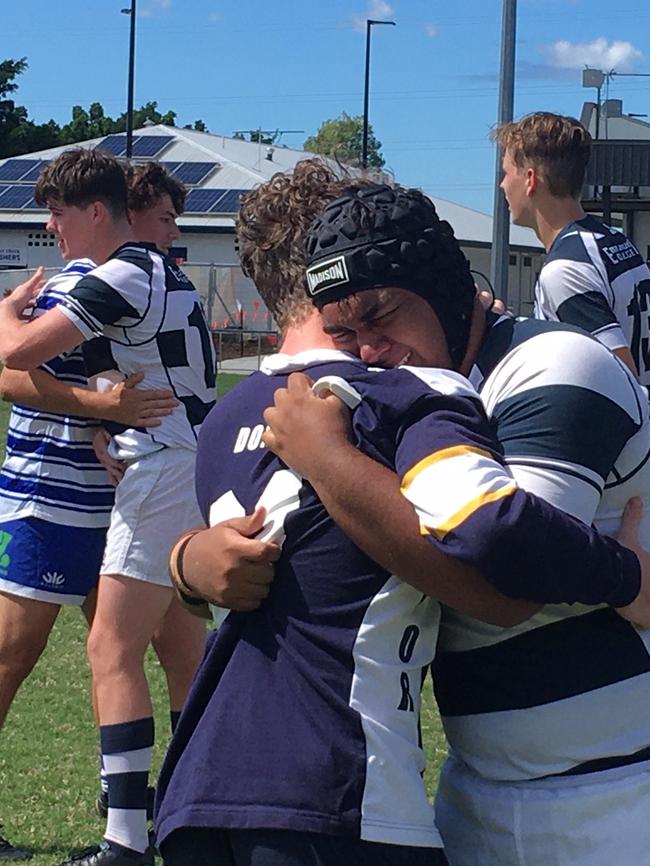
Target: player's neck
552 215
109 240
306 336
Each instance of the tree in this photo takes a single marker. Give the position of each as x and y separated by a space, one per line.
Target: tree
18 134
198 125
341 138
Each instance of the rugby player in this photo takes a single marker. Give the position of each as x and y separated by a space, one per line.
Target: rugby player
149 316
593 276
550 741
299 741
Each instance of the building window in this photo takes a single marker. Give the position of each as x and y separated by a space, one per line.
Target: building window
528 262
41 239
512 261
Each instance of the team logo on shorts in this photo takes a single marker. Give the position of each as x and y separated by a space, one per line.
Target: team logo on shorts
5 559
53 578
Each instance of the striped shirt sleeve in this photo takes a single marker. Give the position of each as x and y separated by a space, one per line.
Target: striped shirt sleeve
471 507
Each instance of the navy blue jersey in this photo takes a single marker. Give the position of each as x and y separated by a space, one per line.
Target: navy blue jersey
304 715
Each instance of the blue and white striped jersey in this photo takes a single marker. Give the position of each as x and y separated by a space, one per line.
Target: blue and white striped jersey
595 278
567 691
146 316
50 469
305 713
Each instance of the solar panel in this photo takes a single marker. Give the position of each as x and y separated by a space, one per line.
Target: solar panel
34 172
150 145
14 169
170 166
201 200
3 187
194 172
31 205
16 196
115 144
229 203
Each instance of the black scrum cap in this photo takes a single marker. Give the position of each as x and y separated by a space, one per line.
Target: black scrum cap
377 236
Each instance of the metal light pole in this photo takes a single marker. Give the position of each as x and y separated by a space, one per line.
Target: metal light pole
501 218
129 105
364 146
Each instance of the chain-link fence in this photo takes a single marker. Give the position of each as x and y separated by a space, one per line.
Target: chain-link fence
243 329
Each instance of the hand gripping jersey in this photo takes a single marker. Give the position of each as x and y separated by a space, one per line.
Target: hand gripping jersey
567 691
148 318
304 714
594 277
50 469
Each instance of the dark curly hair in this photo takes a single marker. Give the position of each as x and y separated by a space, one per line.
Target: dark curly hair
79 177
271 227
378 236
148 182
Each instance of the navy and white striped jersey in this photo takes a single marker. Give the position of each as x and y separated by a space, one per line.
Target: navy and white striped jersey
50 469
567 691
146 317
594 277
304 715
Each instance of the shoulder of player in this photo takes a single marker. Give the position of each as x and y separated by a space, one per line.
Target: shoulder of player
398 396
568 248
546 355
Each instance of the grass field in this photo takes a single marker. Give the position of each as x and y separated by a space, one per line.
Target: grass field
48 747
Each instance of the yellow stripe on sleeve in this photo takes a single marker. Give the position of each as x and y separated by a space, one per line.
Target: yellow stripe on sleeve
437 457
466 511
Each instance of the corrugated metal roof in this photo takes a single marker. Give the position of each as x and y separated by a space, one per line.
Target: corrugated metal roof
619 163
244 165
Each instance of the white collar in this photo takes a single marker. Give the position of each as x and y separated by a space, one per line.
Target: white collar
283 363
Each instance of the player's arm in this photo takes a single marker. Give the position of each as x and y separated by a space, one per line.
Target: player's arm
226 565
624 354
123 404
25 343
523 555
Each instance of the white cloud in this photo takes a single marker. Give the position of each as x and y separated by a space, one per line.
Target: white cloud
600 53
375 9
155 6
431 30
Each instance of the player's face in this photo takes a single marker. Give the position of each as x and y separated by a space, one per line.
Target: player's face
387 328
156 224
74 228
514 186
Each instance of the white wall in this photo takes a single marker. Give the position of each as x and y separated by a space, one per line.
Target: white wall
642 233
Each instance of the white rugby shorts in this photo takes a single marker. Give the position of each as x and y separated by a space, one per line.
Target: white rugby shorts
155 502
595 819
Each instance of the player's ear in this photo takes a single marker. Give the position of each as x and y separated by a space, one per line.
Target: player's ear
532 180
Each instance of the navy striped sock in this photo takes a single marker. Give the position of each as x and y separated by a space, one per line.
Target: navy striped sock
126 755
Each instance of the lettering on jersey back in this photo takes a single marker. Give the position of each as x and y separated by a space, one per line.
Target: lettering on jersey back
249 438
637 309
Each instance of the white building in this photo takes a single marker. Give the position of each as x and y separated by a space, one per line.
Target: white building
216 170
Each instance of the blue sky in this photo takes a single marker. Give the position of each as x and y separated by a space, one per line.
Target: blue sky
242 64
